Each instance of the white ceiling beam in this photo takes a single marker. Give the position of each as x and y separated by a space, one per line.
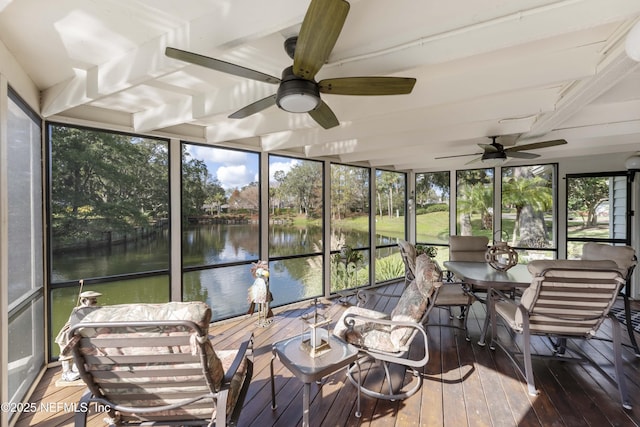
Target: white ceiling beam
163 116
629 127
498 115
268 121
474 38
229 99
148 61
406 144
604 113
614 68
447 85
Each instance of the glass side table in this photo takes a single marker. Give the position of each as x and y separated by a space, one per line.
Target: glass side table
309 369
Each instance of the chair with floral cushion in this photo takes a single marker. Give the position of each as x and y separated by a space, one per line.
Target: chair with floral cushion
408 254
154 363
384 339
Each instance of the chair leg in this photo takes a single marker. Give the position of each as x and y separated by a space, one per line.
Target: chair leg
387 374
526 353
627 317
80 417
465 321
617 354
463 311
494 328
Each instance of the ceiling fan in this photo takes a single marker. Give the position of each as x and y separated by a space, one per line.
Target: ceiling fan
495 153
298 92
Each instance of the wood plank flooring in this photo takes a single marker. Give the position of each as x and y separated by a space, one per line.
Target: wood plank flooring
464 384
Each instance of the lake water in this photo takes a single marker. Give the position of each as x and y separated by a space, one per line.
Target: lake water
224 289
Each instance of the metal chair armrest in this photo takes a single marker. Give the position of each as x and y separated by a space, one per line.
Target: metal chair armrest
394 357
245 350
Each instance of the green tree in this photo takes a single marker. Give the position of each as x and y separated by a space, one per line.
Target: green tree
475 196
215 194
524 191
194 186
432 187
584 196
103 182
349 191
389 192
303 185
277 191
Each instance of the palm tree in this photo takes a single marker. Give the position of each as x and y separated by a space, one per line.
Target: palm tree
476 198
522 191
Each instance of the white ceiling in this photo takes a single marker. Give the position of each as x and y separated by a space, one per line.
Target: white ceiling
545 69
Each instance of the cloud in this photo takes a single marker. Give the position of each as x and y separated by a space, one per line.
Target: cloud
284 165
234 176
218 155
232 168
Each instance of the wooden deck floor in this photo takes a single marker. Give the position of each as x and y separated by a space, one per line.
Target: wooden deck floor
464 384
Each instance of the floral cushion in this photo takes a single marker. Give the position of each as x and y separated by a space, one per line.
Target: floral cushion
366 334
428 272
408 254
410 308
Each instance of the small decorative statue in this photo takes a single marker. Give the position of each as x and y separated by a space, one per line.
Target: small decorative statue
259 293
69 370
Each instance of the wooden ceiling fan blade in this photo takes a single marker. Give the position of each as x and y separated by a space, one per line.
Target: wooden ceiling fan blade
457 155
367 85
218 65
493 148
476 160
255 107
522 155
319 32
324 116
536 145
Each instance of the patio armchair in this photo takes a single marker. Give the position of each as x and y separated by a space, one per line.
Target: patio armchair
408 254
384 339
466 249
625 258
451 294
445 296
154 363
567 300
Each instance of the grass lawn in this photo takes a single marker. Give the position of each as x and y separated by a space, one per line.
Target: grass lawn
434 227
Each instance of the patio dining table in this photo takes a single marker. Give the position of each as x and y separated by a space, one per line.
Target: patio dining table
480 276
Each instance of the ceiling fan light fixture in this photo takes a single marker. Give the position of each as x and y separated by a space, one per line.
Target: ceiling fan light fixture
297 95
298 102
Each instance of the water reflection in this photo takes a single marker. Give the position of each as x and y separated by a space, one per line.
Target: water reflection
204 246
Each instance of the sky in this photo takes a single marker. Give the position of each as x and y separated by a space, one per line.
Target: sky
235 169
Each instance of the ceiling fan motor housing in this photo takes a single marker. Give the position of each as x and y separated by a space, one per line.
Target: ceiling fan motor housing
297 95
493 155
290 46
